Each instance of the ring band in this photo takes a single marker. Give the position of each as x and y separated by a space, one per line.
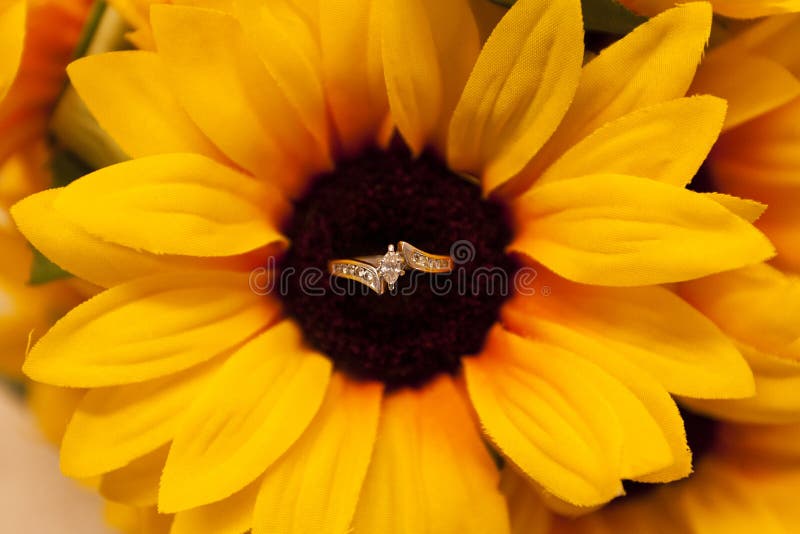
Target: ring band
377 271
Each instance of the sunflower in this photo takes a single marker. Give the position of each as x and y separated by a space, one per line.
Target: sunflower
758 72
745 481
24 310
737 9
263 145
39 39
32 75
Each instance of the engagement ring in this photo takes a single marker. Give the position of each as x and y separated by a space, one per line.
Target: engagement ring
378 271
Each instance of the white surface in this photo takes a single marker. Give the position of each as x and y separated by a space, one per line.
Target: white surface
34 497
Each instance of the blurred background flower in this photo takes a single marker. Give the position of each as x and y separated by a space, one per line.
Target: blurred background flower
744 478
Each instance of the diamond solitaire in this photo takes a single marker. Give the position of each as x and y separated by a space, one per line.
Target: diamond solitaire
373 271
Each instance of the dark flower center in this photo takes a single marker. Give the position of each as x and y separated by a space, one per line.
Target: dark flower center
431 321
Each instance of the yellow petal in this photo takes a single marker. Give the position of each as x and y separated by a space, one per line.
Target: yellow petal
526 510
777 442
725 501
136 484
649 326
428 51
747 209
740 9
12 38
149 328
113 426
744 9
758 306
654 63
26 312
525 319
774 38
752 85
151 522
777 398
519 90
759 153
227 441
95 260
233 515
617 230
209 209
121 517
229 94
316 484
120 85
542 408
430 472
287 42
53 408
353 70
781 223
666 142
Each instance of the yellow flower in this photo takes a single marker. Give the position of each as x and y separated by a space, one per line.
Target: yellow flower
758 72
738 9
37 39
293 412
744 483
26 312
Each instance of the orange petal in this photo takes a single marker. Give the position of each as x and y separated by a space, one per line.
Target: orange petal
430 472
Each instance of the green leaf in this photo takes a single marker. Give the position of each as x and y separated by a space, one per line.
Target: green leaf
43 270
606 16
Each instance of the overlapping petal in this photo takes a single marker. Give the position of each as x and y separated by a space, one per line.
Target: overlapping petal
430 472
253 410
224 86
12 39
209 209
769 84
26 312
646 388
629 75
519 90
740 9
677 134
149 328
233 515
136 484
650 327
429 49
113 426
285 36
757 307
618 230
557 425
120 85
315 486
101 262
350 35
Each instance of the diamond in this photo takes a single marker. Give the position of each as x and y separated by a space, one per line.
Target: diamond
390 267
